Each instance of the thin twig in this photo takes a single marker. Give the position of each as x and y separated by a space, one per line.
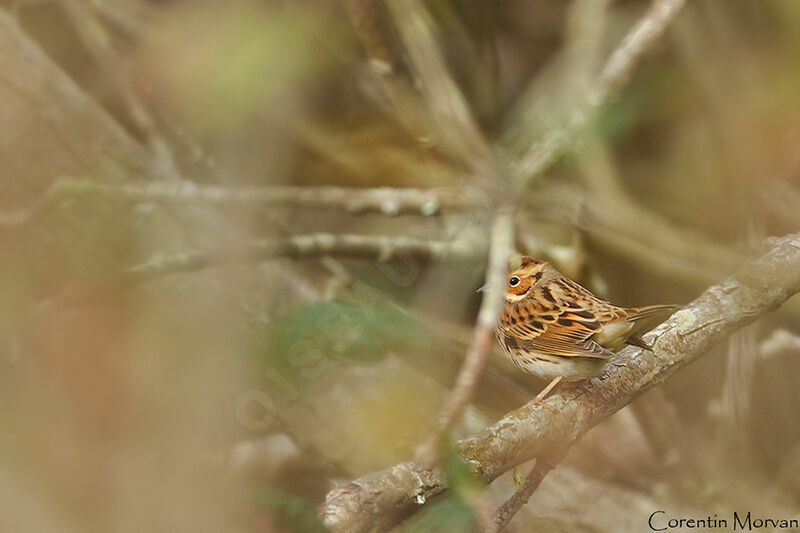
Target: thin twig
510 507
449 117
658 244
615 73
501 244
532 432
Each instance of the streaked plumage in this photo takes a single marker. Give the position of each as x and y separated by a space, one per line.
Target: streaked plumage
556 329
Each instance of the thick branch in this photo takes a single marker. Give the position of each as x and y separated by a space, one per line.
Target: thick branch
380 500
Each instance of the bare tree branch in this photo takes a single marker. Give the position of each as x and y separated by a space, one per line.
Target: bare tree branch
384 200
380 500
374 247
98 40
73 134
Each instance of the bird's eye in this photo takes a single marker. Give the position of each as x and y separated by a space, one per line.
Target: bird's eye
513 281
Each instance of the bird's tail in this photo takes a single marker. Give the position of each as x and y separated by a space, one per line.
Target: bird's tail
646 311
637 314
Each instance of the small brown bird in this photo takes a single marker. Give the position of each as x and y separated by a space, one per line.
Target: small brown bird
555 329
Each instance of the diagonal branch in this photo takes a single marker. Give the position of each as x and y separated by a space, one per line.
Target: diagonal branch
614 75
380 500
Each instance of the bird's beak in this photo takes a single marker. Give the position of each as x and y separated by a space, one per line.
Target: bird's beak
483 288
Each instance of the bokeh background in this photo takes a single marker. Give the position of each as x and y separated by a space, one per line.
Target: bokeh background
233 395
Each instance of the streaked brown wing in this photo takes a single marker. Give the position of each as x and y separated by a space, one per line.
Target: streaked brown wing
560 348
563 328
586 348
569 329
580 313
525 330
565 334
580 301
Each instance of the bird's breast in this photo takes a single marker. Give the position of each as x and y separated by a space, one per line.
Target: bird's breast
548 366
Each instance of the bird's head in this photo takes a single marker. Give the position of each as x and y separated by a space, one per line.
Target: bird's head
521 280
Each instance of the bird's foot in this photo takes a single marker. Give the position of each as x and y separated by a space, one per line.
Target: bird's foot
539 400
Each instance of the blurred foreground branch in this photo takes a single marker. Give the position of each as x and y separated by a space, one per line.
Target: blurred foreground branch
380 500
502 242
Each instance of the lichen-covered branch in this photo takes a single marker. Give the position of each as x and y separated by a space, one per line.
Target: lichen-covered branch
380 500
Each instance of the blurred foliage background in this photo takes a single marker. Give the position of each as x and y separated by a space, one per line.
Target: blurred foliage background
232 397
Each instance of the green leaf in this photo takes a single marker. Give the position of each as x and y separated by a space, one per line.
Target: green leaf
454 512
304 345
450 515
463 482
289 513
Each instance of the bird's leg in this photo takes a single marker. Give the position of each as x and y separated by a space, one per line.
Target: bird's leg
539 400
584 385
